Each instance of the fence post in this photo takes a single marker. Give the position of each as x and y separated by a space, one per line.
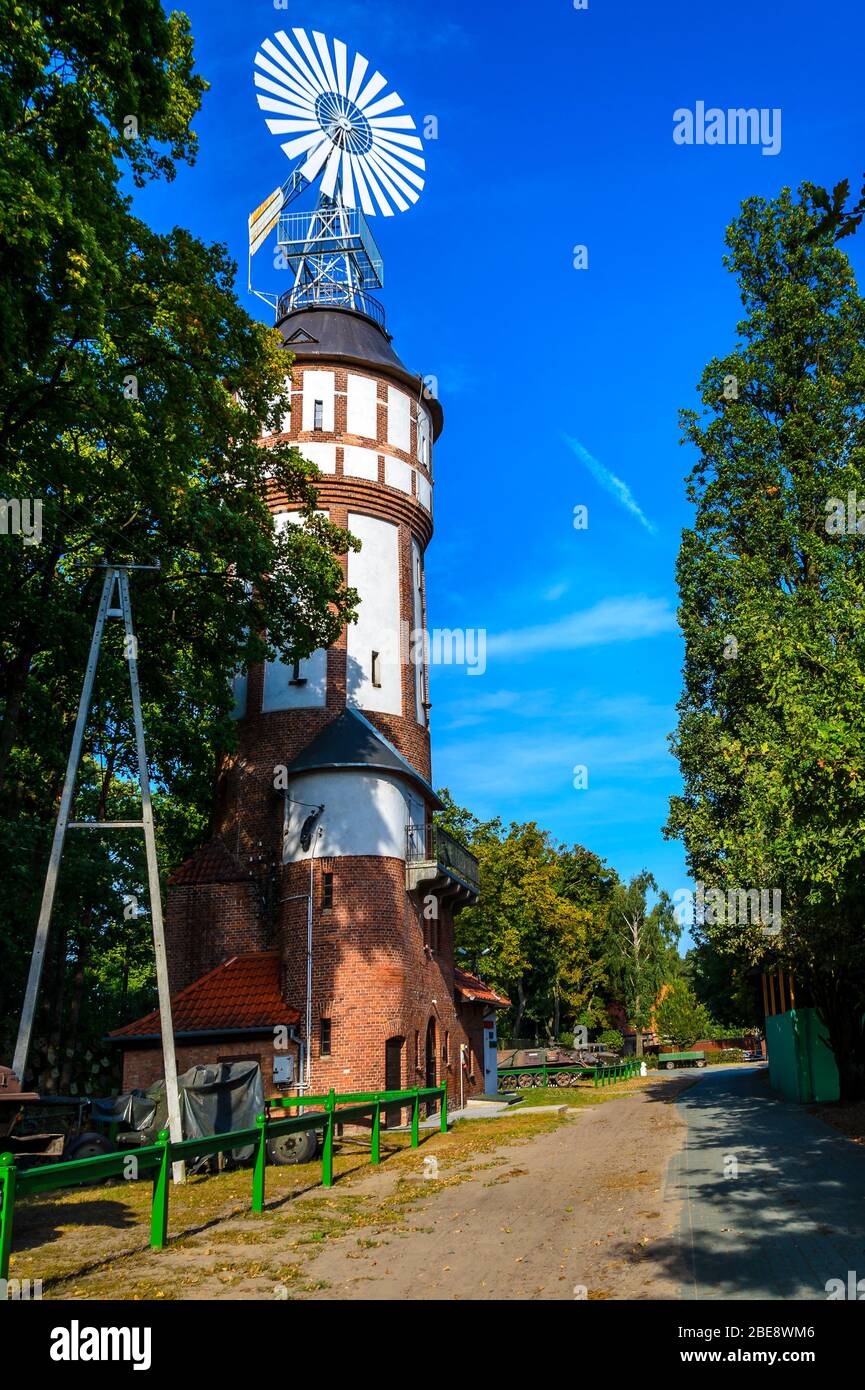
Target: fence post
7 1210
443 1126
544 1072
159 1204
375 1156
327 1148
415 1116
594 1078
259 1165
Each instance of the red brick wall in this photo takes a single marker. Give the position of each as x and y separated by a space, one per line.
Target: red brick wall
372 975
207 923
143 1065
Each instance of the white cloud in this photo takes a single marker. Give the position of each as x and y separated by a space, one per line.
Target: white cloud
615 486
612 620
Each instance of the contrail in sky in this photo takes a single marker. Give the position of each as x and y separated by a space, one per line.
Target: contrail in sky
610 483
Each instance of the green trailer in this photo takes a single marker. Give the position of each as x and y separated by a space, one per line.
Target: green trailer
671 1060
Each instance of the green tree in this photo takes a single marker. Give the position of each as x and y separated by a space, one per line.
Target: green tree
642 948
527 936
680 1015
133 393
771 732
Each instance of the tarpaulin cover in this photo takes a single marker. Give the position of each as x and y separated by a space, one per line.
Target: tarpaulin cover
214 1098
135 1110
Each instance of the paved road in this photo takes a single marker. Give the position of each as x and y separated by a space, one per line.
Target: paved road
792 1218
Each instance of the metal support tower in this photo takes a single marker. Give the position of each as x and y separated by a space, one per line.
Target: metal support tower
116 578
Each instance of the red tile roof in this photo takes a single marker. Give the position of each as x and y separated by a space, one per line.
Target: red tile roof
242 993
477 992
213 863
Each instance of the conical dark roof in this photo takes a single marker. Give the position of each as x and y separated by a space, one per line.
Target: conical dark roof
338 333
351 741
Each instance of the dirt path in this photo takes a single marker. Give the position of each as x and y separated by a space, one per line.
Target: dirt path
573 1214
543 1205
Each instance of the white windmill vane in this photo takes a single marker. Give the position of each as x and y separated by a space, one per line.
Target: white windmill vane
347 130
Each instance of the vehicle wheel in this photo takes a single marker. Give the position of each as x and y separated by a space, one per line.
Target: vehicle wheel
525 1080
564 1079
293 1148
87 1145
670 1066
701 1064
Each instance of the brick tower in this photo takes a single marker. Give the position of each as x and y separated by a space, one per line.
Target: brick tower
325 859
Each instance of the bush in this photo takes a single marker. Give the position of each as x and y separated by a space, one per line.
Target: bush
651 1062
727 1054
566 1039
611 1039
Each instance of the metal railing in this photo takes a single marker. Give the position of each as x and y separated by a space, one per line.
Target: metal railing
328 296
430 844
155 1160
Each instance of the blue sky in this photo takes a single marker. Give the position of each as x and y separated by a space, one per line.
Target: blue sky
560 386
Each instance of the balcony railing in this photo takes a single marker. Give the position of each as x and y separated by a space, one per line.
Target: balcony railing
432 847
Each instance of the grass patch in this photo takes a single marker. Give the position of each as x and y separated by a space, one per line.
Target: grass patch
91 1243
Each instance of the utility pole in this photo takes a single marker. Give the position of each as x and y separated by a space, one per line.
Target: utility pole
116 578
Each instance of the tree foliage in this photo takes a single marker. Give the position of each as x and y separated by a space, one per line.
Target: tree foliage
133 393
771 733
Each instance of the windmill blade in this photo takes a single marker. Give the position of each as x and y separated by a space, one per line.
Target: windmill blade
294 72
383 143
324 55
328 183
341 53
302 112
372 89
321 76
365 200
375 187
281 90
357 75
393 123
299 64
392 137
316 160
293 148
300 91
402 177
388 183
286 127
388 103
347 181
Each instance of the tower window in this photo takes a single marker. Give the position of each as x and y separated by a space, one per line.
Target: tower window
296 677
376 669
326 891
324 1035
318 415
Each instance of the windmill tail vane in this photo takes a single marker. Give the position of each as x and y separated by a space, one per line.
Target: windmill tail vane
349 133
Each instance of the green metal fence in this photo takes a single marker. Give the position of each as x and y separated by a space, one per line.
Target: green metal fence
155 1160
602 1076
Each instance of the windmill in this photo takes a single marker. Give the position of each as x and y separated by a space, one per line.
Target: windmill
345 130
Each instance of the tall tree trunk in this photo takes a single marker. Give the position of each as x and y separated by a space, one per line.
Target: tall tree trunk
520 1010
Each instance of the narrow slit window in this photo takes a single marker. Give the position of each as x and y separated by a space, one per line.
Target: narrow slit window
324 1037
318 415
296 677
376 668
326 891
